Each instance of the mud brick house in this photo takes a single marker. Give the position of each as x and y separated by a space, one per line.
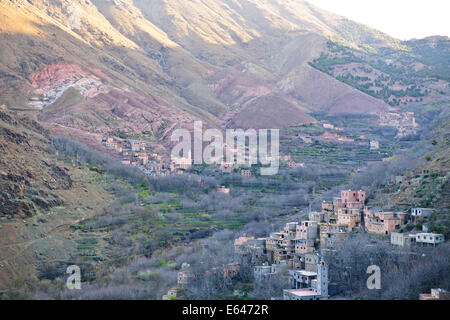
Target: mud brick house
307 230
331 235
300 279
383 222
348 207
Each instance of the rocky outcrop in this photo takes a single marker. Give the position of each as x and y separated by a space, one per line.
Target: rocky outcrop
29 177
51 83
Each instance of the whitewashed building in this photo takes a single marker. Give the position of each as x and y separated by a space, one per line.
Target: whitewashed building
425 212
429 238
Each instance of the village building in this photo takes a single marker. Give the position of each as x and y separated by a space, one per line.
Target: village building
307 230
318 217
154 168
319 285
332 235
429 238
327 207
181 163
350 199
136 145
436 294
300 294
300 279
227 167
303 246
383 222
404 122
294 165
403 239
109 142
171 294
374 145
239 242
336 137
396 180
280 246
266 272
245 173
253 249
348 207
424 212
263 273
311 262
349 217
126 161
223 190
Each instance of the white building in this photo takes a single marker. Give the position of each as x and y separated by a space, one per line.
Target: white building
318 289
302 278
429 238
425 212
374 145
402 239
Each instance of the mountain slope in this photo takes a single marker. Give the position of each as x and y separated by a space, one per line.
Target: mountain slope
40 198
203 59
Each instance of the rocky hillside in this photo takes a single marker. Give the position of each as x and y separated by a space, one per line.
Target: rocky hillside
29 178
40 198
429 184
418 73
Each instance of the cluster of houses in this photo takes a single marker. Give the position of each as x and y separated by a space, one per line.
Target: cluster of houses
135 152
333 136
295 252
408 178
404 122
298 246
361 140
